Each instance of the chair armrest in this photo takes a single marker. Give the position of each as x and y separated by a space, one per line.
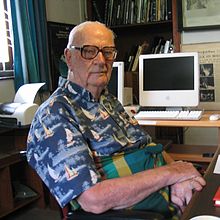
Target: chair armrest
114 215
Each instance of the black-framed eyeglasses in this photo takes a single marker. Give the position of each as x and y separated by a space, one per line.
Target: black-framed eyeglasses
90 52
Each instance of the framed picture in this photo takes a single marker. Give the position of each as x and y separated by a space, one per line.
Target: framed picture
199 14
58 34
209 67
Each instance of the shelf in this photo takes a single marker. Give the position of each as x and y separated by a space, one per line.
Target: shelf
10 158
13 167
22 202
143 25
192 153
17 205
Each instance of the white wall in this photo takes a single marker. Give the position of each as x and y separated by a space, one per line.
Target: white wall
200 37
7 91
201 136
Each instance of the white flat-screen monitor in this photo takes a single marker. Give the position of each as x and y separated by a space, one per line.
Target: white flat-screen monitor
169 80
116 83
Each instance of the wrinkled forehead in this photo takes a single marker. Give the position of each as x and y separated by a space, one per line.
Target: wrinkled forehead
92 34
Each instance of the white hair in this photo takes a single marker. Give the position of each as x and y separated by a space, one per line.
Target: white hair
76 31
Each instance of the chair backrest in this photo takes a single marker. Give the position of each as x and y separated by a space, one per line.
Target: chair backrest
27 93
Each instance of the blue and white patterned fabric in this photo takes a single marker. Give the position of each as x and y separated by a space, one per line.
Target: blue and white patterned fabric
69 130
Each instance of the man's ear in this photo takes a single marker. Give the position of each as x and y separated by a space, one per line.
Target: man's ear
68 56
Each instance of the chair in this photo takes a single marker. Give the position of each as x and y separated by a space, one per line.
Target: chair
110 215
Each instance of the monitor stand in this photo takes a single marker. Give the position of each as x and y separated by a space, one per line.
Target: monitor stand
174 108
147 108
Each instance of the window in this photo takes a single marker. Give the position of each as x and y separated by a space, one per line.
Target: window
6 38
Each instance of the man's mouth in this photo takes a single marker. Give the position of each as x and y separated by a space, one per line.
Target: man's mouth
100 72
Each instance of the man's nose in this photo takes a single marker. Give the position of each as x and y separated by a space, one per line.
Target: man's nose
100 56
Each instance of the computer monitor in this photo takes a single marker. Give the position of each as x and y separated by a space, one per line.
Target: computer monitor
169 80
116 83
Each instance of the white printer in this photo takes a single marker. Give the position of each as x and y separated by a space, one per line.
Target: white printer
21 111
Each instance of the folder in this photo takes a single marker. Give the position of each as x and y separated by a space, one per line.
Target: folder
217 197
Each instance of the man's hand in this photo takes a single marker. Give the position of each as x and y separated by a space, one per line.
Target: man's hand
181 171
181 193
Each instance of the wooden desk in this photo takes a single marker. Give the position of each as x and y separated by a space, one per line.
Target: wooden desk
203 122
194 153
201 202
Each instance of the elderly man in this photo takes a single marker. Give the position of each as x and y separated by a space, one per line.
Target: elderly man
89 152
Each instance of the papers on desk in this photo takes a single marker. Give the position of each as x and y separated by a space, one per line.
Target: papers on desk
205 217
217 166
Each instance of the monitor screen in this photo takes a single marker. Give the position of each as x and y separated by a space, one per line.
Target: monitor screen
169 80
116 83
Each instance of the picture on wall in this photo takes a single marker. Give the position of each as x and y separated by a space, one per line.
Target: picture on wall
209 66
199 14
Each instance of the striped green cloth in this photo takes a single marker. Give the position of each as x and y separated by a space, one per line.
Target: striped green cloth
128 163
134 161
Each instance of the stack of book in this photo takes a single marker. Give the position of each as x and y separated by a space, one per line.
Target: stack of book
134 57
120 12
160 45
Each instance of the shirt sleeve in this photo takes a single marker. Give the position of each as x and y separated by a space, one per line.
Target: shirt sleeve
58 152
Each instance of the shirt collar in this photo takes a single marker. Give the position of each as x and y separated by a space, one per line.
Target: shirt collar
74 90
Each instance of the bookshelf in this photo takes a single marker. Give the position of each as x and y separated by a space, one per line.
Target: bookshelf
14 169
130 35
133 34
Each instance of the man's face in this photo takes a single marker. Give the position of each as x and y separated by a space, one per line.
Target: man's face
92 74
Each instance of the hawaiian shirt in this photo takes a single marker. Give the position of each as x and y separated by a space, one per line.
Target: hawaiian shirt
70 129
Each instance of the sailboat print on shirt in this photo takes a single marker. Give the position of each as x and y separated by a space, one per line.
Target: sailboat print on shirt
104 114
69 137
55 175
70 172
96 135
47 131
123 143
88 114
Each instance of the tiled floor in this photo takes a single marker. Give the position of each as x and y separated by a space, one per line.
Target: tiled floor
33 213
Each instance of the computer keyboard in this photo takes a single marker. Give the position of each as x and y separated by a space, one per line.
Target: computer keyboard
169 115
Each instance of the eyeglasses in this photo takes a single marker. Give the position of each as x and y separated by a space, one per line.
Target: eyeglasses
90 52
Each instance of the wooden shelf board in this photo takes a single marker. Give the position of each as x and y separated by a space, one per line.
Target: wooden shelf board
10 158
18 204
190 157
192 153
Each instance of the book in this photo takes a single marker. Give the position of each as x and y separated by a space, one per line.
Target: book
142 49
216 198
153 10
97 13
157 42
129 59
169 10
138 5
110 9
136 58
106 12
